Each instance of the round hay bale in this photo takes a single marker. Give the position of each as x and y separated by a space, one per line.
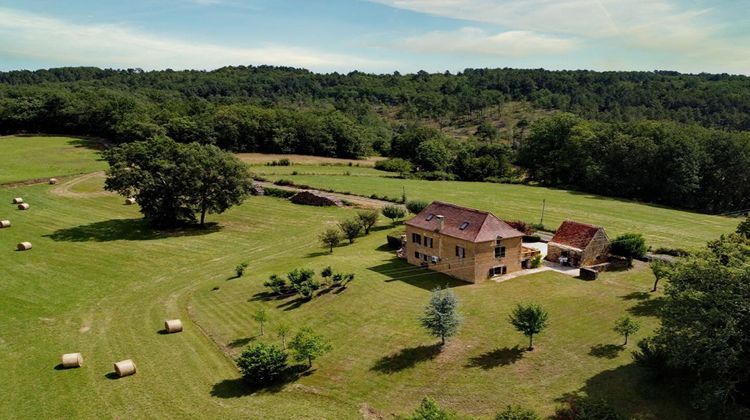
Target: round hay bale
129 201
17 200
53 181
72 360
24 246
173 326
23 206
4 224
125 368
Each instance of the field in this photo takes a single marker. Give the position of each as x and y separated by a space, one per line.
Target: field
31 157
662 226
101 282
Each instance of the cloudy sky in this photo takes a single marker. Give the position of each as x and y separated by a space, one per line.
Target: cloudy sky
378 35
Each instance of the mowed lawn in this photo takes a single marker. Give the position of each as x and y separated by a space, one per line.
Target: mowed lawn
100 282
662 227
32 157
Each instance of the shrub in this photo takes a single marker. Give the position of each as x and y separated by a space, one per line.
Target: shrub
521 226
429 410
239 271
651 356
675 252
394 165
326 272
531 238
416 206
393 212
351 229
277 284
277 192
579 408
514 412
536 262
284 182
629 245
437 176
261 364
303 281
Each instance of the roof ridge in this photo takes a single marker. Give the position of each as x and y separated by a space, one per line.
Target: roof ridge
583 224
461 207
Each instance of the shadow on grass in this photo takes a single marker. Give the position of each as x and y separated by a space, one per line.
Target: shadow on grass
407 358
293 304
112 376
239 387
398 269
650 307
241 342
128 230
606 351
498 357
636 296
266 296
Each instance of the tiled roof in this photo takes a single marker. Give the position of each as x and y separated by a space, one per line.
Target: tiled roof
480 226
574 234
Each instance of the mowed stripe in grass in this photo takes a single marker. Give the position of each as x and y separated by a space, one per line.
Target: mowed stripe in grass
32 157
663 227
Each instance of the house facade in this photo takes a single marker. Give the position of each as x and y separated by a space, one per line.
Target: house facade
578 244
464 243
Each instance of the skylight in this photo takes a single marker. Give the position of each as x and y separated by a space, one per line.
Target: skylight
464 225
429 217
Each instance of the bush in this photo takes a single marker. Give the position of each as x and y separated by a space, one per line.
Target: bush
651 356
262 364
436 176
393 212
514 412
629 245
531 238
416 206
277 284
429 410
580 408
520 226
303 281
675 252
394 165
536 262
326 272
239 271
277 192
284 182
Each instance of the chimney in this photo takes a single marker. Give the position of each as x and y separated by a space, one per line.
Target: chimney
441 222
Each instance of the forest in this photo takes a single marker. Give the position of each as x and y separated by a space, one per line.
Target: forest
663 137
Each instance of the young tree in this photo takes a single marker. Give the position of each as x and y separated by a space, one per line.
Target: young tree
261 364
441 317
429 410
629 245
529 319
625 326
416 206
303 281
282 331
393 212
661 269
172 181
277 284
330 238
239 271
308 346
351 229
326 272
368 218
260 316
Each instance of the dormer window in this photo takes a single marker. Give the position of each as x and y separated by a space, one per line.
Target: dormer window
429 217
464 225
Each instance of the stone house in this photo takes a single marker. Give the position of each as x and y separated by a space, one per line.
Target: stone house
578 244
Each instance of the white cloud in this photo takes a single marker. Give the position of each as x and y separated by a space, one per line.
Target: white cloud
476 41
60 42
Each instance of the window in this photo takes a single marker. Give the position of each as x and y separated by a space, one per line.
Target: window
499 251
498 270
425 257
460 251
416 238
429 217
464 225
417 255
428 242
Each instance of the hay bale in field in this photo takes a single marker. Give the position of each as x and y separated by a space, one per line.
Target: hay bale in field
129 201
24 246
173 326
23 206
315 198
72 360
53 181
4 224
125 368
17 200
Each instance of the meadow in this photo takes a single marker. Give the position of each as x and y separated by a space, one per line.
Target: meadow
101 282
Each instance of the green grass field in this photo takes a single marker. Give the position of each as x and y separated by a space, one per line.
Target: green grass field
660 225
100 282
32 157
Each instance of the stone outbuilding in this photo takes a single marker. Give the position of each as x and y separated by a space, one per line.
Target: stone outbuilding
578 245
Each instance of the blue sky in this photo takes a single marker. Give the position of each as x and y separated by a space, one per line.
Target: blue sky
378 35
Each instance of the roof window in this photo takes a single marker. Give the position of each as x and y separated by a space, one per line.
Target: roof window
464 225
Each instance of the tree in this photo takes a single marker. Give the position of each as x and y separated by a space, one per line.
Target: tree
172 182
261 364
629 245
308 346
661 269
239 270
529 319
330 238
744 228
282 331
393 212
433 155
303 281
350 229
416 206
260 316
515 412
626 326
429 410
368 218
326 272
277 284
441 317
